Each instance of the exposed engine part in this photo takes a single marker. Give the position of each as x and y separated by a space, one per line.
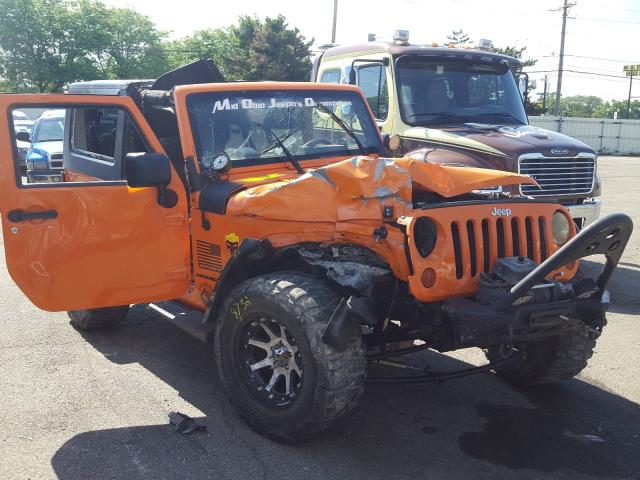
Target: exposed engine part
352 267
494 286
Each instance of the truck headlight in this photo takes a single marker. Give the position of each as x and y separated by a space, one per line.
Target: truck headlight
425 235
560 228
37 160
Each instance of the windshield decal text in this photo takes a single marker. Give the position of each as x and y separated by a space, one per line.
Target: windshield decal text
249 104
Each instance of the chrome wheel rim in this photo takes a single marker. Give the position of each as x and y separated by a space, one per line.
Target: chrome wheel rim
271 361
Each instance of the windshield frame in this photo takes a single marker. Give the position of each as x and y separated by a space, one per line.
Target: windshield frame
369 127
463 120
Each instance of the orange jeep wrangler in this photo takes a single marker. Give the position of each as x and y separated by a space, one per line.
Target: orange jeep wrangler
267 219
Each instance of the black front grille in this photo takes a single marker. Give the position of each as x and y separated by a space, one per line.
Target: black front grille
477 245
208 256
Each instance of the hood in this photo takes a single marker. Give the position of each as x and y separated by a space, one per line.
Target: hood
501 140
49 147
359 187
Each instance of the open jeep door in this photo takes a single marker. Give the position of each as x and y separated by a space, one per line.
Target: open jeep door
87 240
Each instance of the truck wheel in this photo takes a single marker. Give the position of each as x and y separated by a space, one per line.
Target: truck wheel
550 360
98 317
279 374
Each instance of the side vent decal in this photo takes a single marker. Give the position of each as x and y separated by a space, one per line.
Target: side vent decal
208 256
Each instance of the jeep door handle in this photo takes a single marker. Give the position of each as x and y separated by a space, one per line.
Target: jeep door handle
20 215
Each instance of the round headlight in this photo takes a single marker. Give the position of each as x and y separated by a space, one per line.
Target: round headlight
560 228
425 235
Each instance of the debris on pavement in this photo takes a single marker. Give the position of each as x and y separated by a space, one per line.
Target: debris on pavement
185 424
584 438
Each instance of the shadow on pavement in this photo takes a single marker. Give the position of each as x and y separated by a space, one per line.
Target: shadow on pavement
623 286
477 427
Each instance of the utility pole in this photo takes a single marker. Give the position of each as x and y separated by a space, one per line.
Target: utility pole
544 96
630 71
565 10
629 99
335 19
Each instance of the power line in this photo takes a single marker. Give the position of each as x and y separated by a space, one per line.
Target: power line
579 71
605 20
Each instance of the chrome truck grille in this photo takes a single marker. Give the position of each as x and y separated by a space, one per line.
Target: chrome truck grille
56 160
558 176
477 244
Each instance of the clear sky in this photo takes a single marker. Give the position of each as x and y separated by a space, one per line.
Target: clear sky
608 32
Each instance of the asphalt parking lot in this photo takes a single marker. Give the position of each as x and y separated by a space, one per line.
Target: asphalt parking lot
79 406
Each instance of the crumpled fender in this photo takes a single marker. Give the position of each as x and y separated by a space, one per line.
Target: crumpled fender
357 188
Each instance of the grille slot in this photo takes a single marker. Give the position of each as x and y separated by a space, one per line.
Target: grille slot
500 234
471 236
457 249
496 238
208 256
542 226
515 237
529 234
486 246
558 176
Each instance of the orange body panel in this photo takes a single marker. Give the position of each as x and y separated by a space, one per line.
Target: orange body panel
115 245
109 245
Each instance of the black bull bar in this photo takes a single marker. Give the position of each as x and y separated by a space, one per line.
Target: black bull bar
483 325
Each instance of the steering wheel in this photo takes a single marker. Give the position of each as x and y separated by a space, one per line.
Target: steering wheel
317 142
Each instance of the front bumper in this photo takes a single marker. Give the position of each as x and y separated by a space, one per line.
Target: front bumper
45 176
586 213
516 317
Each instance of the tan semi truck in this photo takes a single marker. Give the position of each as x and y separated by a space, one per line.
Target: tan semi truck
464 106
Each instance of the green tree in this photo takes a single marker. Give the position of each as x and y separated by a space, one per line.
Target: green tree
45 44
135 48
39 47
515 52
253 49
580 105
458 37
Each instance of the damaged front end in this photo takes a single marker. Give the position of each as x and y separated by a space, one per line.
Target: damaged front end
520 301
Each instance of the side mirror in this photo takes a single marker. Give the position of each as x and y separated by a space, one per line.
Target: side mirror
23 136
151 170
352 76
522 87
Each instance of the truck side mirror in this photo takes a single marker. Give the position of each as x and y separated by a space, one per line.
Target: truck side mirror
352 76
151 170
23 137
522 87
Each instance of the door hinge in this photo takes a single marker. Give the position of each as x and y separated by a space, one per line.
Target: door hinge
174 220
179 273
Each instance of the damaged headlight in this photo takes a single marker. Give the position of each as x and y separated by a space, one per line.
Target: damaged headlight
560 228
425 235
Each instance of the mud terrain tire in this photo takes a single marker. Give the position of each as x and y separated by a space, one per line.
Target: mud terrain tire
331 381
549 360
98 317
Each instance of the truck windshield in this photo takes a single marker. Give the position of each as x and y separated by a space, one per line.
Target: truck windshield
252 125
441 91
49 130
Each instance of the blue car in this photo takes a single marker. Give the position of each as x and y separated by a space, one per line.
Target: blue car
44 158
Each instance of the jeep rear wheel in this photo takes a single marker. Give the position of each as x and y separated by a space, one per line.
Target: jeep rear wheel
98 317
549 360
279 374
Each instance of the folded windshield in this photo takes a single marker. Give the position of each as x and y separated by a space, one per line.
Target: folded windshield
438 92
258 126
